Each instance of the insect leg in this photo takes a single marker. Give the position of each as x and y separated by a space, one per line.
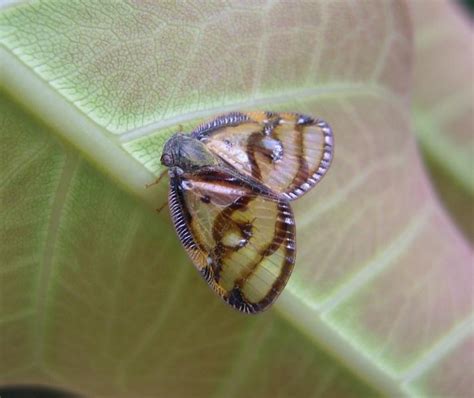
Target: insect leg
162 206
157 181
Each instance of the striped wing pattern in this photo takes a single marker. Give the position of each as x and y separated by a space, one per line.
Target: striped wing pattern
241 240
287 152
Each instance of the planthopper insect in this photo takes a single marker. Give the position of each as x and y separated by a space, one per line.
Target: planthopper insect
231 183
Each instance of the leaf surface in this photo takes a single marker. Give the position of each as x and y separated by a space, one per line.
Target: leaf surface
443 103
98 297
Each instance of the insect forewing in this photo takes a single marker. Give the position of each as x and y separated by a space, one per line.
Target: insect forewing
287 152
241 241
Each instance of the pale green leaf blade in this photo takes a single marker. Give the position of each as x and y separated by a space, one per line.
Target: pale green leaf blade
443 103
93 291
119 309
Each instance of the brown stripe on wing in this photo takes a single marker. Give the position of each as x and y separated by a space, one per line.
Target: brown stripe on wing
218 232
284 233
303 170
280 282
289 260
252 144
305 181
286 224
255 140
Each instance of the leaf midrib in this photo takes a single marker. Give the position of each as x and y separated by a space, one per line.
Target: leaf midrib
259 103
105 150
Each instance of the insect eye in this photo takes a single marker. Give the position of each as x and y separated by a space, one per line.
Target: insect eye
166 160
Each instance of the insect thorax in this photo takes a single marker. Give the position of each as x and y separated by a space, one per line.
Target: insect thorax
187 153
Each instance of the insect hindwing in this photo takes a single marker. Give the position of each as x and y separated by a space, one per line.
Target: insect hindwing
240 239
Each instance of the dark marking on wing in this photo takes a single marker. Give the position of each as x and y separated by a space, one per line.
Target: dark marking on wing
236 299
223 223
304 120
284 230
303 170
206 199
246 230
252 144
273 121
207 273
282 227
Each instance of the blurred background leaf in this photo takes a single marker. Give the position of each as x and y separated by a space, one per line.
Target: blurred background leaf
96 295
468 6
443 103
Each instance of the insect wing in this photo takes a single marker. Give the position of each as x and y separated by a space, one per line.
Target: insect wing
242 242
287 152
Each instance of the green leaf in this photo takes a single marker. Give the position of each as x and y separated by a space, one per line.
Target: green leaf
444 103
96 294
